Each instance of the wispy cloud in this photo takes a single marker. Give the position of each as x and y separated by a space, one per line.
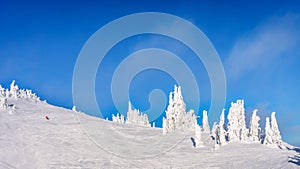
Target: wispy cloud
257 49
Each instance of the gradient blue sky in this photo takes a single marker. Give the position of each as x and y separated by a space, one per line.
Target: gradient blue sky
258 43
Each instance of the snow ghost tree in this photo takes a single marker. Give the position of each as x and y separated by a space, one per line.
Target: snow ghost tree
119 118
236 122
268 133
3 103
215 133
276 137
254 129
74 109
222 130
198 132
2 91
205 125
176 116
14 90
134 116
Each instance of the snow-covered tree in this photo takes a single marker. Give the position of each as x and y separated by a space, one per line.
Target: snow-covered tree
254 129
74 108
205 125
189 121
236 122
222 130
153 124
165 126
119 118
268 133
276 137
3 103
176 116
198 133
2 91
6 93
14 90
215 133
134 116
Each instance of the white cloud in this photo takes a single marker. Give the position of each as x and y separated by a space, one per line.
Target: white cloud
261 47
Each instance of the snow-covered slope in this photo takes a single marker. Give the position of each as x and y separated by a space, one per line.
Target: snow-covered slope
29 140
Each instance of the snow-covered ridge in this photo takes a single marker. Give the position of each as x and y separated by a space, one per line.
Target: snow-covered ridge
29 140
178 119
15 93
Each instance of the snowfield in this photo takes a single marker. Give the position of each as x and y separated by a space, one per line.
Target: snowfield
75 140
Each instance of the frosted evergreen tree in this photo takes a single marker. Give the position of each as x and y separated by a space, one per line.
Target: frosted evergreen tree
222 130
268 133
134 116
198 134
236 122
165 126
205 125
276 137
118 118
14 90
3 103
7 93
189 121
2 91
114 118
254 129
153 124
176 116
215 133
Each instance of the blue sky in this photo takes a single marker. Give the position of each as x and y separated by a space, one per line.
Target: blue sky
256 41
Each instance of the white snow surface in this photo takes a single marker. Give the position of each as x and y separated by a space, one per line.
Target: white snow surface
29 140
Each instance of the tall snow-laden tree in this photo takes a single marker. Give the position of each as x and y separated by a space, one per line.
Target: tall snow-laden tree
189 121
276 137
254 129
165 126
222 130
236 122
14 90
176 116
215 133
205 125
268 133
2 91
134 116
198 134
118 118
3 103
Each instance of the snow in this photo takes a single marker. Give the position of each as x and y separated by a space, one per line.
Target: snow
268 133
118 118
71 139
177 119
134 116
205 125
222 131
236 122
254 129
276 137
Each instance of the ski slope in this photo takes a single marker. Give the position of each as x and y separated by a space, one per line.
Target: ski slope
75 140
